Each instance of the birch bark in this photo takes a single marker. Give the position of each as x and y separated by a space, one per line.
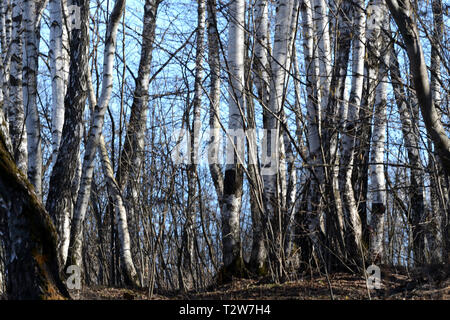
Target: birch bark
5 41
332 123
133 148
76 235
377 172
32 17
61 192
232 195
350 122
195 131
274 173
15 107
59 66
215 167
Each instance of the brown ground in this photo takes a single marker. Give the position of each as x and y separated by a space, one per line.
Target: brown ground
344 287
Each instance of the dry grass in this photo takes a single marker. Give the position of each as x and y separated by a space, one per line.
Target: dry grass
395 286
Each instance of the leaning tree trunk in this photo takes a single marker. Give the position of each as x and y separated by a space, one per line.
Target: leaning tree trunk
120 216
117 201
132 155
33 271
81 206
133 148
404 18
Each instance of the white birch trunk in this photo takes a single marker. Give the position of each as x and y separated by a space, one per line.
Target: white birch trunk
279 65
5 41
5 58
120 213
64 172
59 62
321 23
59 66
261 62
350 121
94 135
274 174
377 188
15 107
215 167
30 71
232 198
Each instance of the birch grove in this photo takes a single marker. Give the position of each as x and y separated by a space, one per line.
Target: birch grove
173 146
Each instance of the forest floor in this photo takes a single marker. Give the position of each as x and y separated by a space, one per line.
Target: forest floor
344 286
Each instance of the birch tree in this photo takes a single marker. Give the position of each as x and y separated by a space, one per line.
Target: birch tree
5 40
15 107
215 167
404 18
232 194
377 171
132 152
61 193
308 225
349 125
194 132
275 174
76 233
32 17
260 68
59 66
335 110
116 195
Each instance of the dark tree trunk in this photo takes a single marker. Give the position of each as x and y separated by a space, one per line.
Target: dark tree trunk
33 268
61 193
